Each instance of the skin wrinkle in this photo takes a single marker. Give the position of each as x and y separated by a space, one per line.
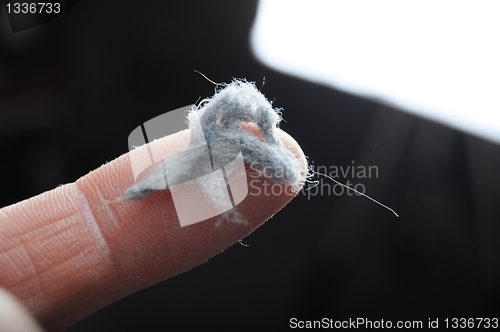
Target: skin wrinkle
5 220
110 213
79 257
38 273
41 294
124 265
90 218
27 234
25 273
109 254
16 232
32 276
60 234
43 243
28 238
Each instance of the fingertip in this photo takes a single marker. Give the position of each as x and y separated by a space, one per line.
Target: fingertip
266 196
292 145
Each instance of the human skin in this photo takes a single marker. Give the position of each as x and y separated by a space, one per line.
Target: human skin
66 253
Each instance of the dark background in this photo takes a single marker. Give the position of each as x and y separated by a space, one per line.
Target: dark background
73 89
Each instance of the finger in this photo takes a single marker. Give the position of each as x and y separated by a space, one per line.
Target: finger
73 250
14 317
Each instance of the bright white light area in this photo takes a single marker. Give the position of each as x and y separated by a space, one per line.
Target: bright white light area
438 59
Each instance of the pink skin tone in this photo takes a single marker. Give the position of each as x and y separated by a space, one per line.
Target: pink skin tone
68 252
